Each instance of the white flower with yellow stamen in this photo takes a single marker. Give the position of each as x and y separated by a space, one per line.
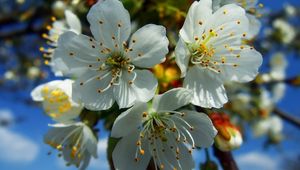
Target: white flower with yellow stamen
108 67
71 23
161 133
252 8
76 142
210 52
56 97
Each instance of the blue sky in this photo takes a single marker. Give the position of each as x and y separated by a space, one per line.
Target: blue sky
22 147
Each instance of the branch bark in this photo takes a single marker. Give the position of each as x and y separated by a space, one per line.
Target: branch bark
226 159
287 117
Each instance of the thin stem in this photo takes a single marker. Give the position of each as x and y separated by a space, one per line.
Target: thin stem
207 155
226 159
289 118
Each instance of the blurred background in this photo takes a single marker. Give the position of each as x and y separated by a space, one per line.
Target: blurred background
268 144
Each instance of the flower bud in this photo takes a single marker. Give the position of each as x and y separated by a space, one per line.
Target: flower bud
228 137
59 8
235 139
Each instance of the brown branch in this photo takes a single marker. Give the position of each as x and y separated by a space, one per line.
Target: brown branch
287 117
226 159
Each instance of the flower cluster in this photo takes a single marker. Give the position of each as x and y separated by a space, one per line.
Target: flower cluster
112 71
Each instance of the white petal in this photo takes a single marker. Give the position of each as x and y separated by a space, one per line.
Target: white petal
169 156
254 26
142 88
204 131
185 158
128 121
247 67
276 125
228 20
182 56
90 140
216 4
73 21
77 52
57 69
227 14
124 154
124 93
148 46
195 21
109 19
89 91
172 99
208 89
278 91
36 93
144 85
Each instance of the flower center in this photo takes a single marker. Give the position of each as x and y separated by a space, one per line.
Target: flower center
203 53
164 132
117 60
115 64
56 102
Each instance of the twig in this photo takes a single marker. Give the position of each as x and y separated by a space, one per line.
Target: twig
289 118
226 159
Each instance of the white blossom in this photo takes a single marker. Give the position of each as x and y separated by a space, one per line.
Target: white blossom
70 23
272 125
33 72
210 52
56 97
278 91
76 142
290 10
162 133
9 75
287 32
107 68
278 65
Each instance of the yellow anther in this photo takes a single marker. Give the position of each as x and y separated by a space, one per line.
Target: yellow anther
64 108
53 18
223 60
142 152
59 147
145 114
45 90
56 93
44 35
48 27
